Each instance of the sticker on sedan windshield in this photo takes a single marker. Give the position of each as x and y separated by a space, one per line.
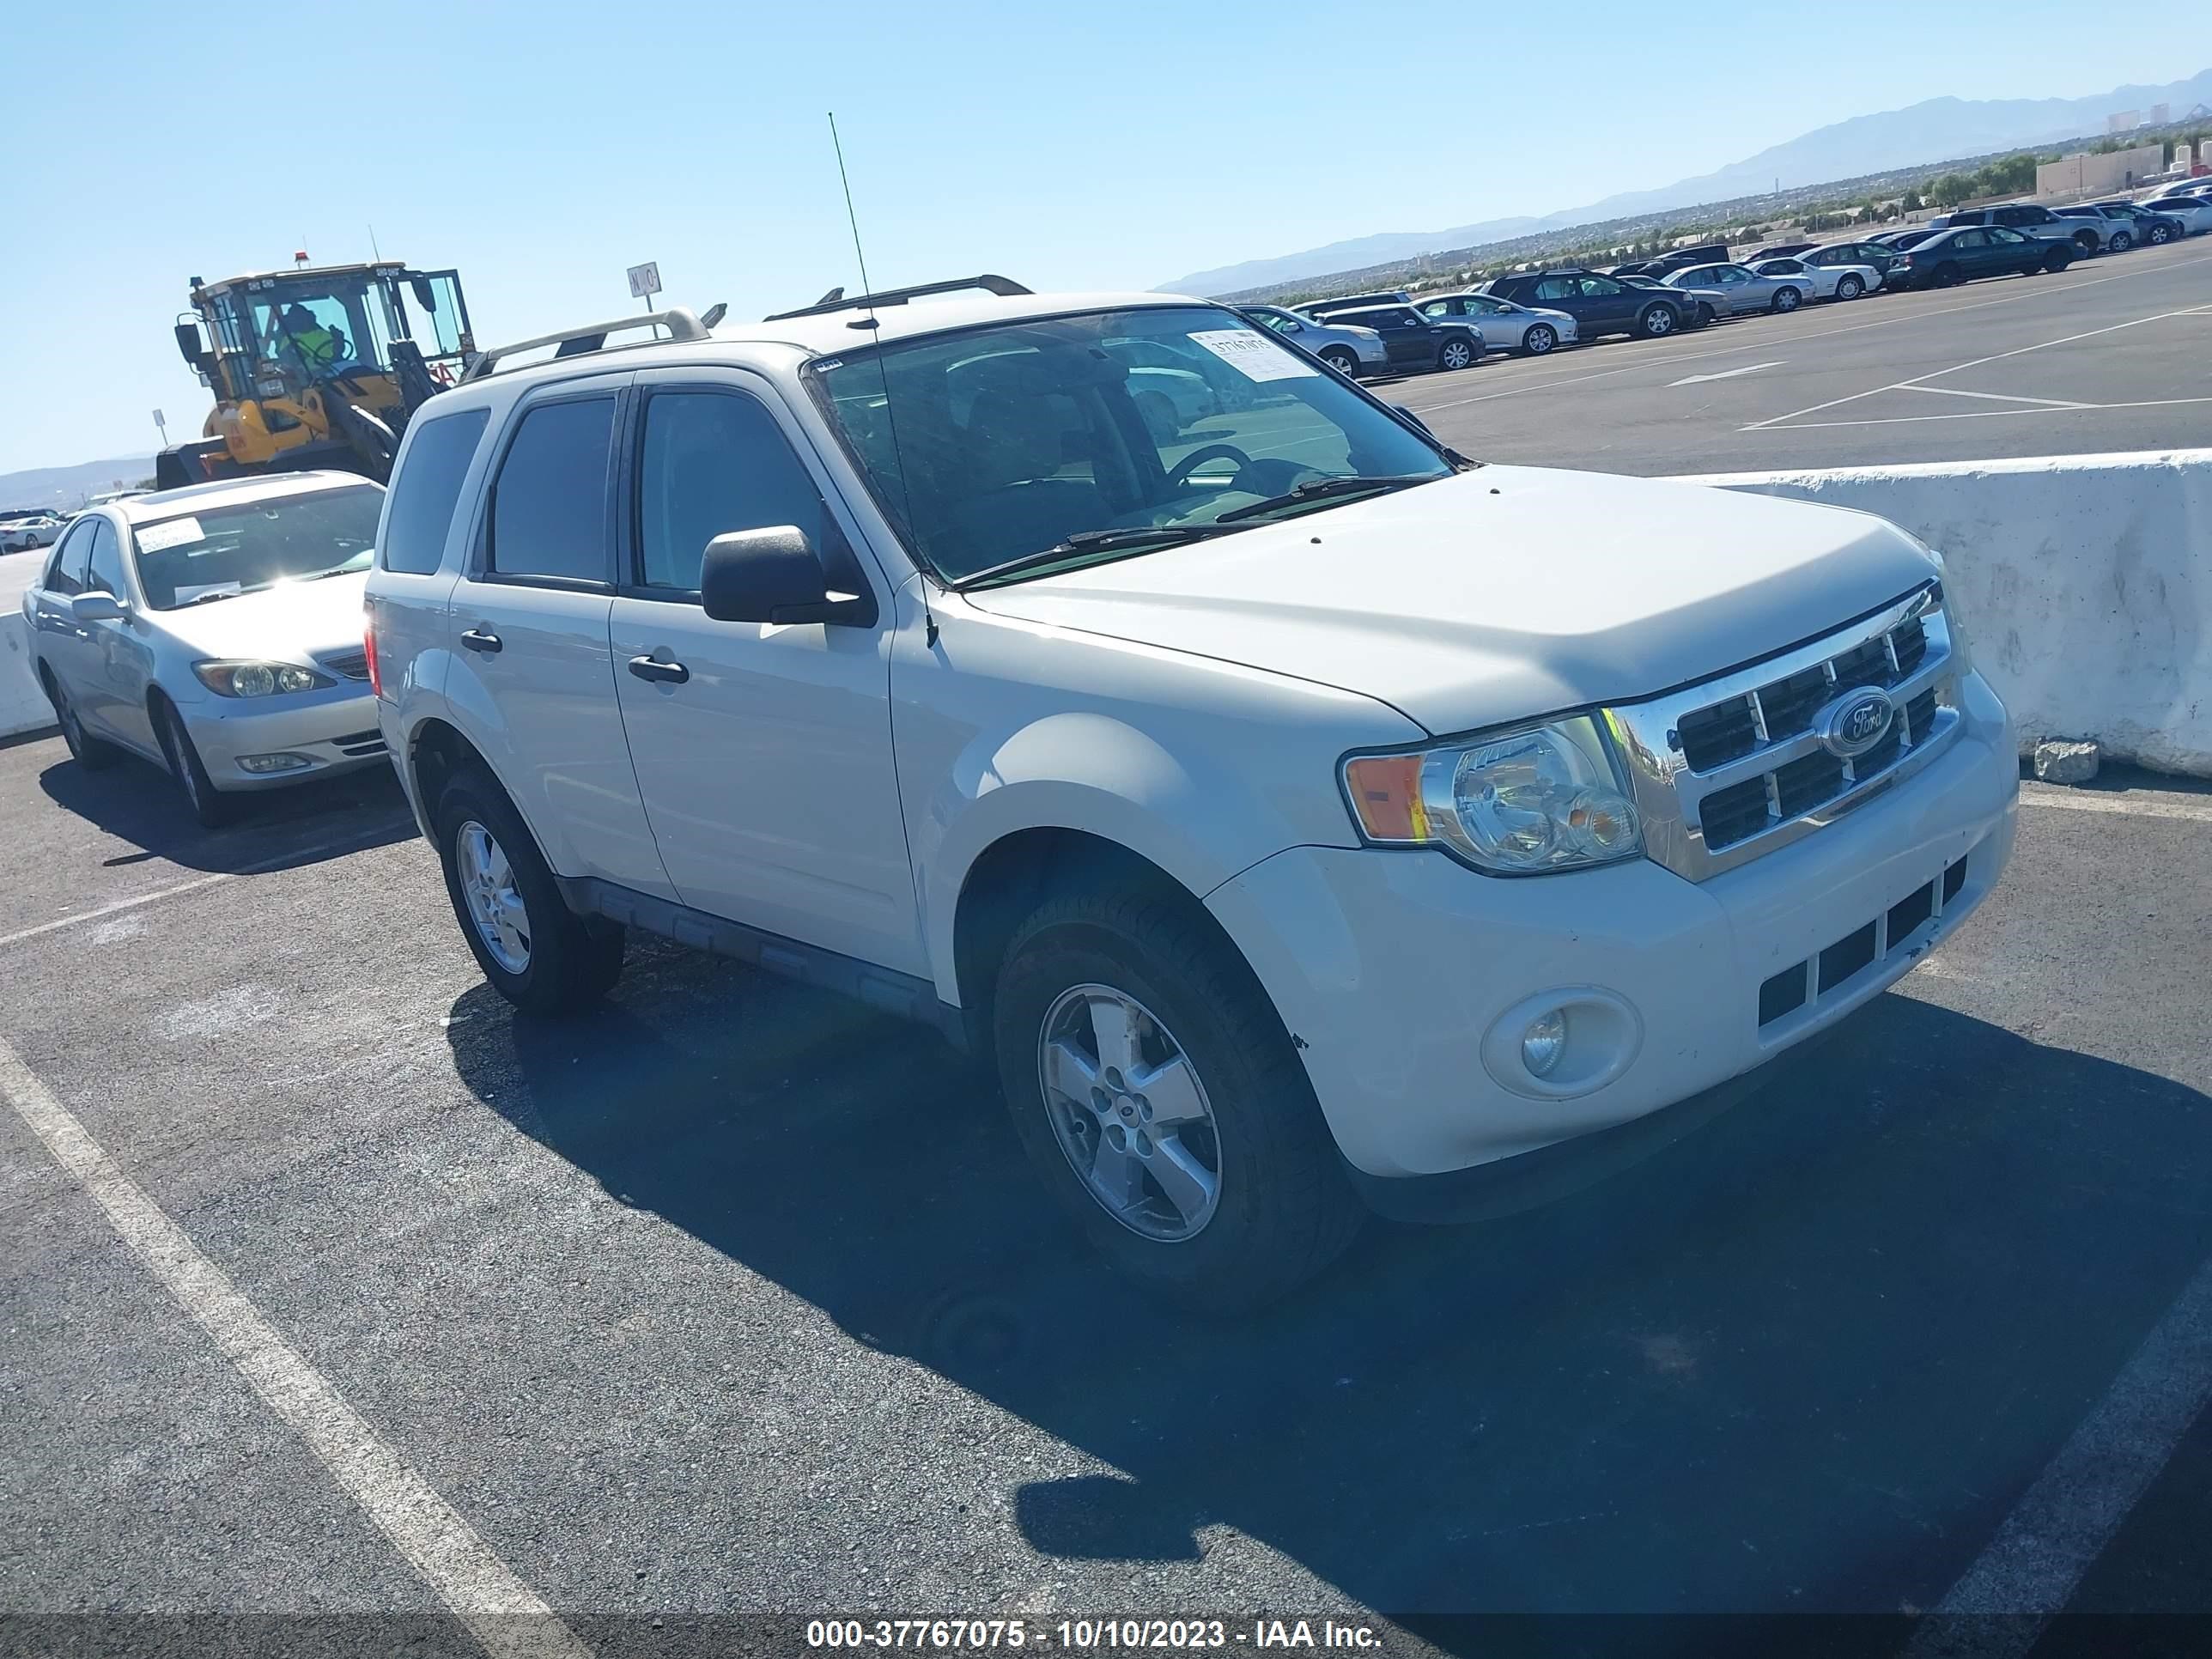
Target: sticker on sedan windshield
1253 355
170 532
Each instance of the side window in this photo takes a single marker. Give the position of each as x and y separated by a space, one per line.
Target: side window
1971 238
1599 288
426 489
548 508
65 570
1437 309
714 462
104 570
1556 287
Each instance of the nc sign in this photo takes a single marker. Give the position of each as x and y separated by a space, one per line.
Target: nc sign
645 280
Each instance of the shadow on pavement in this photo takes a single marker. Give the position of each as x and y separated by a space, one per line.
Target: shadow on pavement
1803 1361
138 802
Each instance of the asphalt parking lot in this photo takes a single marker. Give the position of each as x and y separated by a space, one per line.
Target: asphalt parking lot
733 1297
2112 354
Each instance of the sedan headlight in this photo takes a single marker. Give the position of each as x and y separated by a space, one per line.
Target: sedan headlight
258 679
1525 801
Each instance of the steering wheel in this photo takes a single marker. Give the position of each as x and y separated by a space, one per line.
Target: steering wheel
1179 475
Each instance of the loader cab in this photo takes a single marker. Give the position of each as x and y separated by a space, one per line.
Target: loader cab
320 365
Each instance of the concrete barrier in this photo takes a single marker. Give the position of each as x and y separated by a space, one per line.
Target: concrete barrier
23 707
2085 583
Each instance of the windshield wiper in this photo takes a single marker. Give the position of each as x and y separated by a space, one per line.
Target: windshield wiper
207 598
345 569
1321 489
1093 541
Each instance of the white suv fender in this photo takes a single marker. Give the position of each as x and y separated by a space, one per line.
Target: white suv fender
1201 768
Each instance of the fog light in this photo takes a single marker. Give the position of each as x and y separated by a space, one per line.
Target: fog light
273 762
1543 1041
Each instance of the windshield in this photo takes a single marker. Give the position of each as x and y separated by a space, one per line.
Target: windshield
1000 443
221 552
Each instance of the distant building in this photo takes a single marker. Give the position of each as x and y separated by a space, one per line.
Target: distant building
2159 115
2096 175
2126 120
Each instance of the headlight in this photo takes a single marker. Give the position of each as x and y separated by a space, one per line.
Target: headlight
257 679
1522 801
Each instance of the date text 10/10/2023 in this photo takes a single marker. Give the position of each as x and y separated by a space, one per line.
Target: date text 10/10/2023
1084 1635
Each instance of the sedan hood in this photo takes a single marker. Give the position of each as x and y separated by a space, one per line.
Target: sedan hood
1500 594
287 623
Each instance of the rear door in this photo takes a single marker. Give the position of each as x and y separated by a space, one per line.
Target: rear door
763 751
527 627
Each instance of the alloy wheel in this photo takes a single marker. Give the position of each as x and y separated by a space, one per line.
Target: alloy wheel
1126 1106
495 905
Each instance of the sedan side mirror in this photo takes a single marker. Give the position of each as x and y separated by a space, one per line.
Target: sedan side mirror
97 607
774 575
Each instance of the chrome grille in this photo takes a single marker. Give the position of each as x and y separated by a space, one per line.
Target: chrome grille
1731 768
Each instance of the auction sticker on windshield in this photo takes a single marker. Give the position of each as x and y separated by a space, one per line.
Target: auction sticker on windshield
170 532
1253 355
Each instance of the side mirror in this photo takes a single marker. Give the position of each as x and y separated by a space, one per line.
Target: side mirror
189 346
97 607
774 575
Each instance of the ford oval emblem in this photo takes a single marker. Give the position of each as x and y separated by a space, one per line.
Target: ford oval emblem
1853 723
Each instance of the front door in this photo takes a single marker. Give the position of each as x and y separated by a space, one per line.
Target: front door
764 752
119 664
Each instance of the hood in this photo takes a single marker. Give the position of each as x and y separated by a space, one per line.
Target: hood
287 623
1499 595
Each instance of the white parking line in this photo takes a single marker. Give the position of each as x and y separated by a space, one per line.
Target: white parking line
2032 1568
1998 396
1668 358
2195 810
482 1592
1983 414
301 856
1976 363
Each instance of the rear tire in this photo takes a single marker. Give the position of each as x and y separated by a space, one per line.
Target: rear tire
1539 340
1947 276
86 750
1455 355
2086 241
1849 288
2058 262
1203 1037
1785 300
564 961
210 806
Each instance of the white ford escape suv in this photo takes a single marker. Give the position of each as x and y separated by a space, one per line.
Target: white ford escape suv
1296 811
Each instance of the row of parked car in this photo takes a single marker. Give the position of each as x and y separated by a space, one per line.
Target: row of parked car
26 531
1530 313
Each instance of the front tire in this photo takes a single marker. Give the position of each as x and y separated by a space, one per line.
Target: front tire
1539 340
1156 1092
2158 235
1344 360
210 806
1656 323
2121 242
536 953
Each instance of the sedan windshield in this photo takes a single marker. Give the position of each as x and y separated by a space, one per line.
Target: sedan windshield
1105 435
221 552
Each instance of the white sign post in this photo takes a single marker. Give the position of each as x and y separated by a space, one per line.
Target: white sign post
163 427
644 281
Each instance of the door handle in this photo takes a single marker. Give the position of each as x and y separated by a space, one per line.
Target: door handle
668 673
477 640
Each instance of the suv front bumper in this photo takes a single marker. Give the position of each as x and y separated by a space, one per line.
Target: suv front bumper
1406 979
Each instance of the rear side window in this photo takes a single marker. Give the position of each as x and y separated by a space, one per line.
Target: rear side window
426 489
713 462
548 508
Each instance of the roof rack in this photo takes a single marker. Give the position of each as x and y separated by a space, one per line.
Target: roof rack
1005 288
577 341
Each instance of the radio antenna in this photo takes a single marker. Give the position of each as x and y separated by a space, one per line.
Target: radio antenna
882 373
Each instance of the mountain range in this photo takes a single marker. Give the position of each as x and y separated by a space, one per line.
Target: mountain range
68 486
1936 130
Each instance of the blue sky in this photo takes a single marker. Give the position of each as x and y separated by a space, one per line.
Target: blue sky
544 148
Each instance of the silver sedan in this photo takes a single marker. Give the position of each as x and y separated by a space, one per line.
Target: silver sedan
1526 330
1746 288
215 631
1348 349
